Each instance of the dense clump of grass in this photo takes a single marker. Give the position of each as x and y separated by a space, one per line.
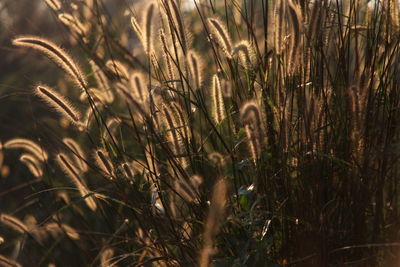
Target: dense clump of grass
233 137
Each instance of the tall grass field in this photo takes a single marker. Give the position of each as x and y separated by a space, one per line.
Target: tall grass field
200 133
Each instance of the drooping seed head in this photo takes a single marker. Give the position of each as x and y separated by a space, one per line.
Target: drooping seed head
127 170
118 69
221 33
148 28
29 145
182 121
246 54
295 46
59 103
69 168
250 116
78 154
139 88
167 55
250 113
217 100
279 25
14 223
171 126
73 173
104 162
72 23
54 4
195 67
33 164
55 53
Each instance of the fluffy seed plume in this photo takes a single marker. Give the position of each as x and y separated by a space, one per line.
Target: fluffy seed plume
26 144
171 130
136 27
54 4
33 164
253 142
13 223
70 169
250 113
127 170
148 28
182 121
118 69
104 162
78 154
61 105
220 32
139 87
213 222
195 67
295 36
73 173
72 23
250 117
55 53
170 123
246 54
218 100
166 55
279 25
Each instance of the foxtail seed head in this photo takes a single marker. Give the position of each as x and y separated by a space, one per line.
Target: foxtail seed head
220 32
29 145
55 53
104 162
245 52
14 223
59 103
195 67
148 28
218 100
32 163
78 154
73 173
250 116
54 4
